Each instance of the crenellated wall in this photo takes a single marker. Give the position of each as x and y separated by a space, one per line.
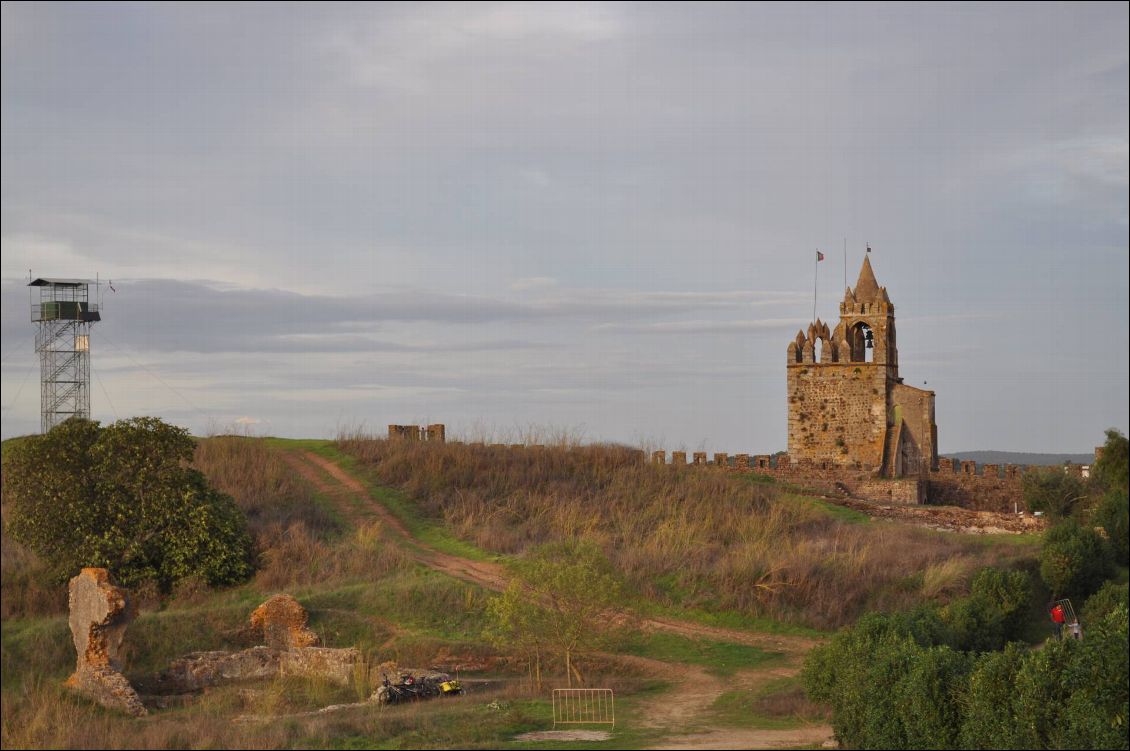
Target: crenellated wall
989 487
436 433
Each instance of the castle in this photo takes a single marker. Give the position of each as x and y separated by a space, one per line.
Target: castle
847 404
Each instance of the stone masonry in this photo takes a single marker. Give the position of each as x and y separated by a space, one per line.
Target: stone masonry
848 407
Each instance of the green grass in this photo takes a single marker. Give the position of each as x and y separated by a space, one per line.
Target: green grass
728 619
738 708
427 531
719 658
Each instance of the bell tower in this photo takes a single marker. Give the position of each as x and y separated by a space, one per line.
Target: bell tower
866 332
848 407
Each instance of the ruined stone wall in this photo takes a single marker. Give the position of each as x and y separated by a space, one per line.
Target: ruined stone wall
436 433
993 489
916 408
838 413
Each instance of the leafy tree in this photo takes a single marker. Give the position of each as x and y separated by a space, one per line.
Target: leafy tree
988 718
516 622
1074 559
1109 598
1113 515
123 497
563 596
1097 710
1052 491
1111 471
993 612
930 697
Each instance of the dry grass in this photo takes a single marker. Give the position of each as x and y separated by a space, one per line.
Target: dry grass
271 495
691 537
296 557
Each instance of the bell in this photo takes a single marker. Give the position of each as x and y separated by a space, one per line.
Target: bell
869 340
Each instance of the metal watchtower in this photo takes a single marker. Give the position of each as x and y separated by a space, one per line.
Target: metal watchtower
63 312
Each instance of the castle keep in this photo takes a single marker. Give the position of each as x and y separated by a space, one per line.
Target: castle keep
848 407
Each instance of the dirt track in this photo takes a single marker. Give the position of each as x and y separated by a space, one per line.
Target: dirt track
694 689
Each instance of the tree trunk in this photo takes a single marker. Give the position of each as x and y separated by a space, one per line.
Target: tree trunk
568 670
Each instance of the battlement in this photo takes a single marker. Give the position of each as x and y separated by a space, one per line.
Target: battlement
434 433
988 487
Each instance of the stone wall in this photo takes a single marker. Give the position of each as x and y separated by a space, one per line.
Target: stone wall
436 433
838 413
915 407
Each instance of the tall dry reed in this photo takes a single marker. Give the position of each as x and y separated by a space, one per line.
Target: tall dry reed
693 537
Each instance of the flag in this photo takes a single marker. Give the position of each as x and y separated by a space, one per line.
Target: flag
819 256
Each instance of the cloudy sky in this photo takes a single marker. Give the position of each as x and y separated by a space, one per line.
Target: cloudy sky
594 218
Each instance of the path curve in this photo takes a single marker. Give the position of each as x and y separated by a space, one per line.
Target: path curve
693 691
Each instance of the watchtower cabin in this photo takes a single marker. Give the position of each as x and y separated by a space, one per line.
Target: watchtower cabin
63 312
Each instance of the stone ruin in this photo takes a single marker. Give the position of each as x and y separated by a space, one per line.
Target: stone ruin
99 614
289 648
101 611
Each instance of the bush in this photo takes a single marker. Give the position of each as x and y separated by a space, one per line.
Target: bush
930 693
992 614
887 690
1113 515
1109 598
1111 471
1074 560
124 498
988 720
1052 491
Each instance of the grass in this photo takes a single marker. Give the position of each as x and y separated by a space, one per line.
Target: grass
426 530
719 658
684 540
777 704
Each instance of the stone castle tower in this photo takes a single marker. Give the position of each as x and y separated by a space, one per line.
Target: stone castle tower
848 407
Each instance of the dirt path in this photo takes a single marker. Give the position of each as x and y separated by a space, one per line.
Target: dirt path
345 491
693 691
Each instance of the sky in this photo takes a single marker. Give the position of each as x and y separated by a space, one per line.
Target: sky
593 220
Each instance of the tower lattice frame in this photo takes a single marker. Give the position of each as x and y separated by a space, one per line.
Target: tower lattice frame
63 313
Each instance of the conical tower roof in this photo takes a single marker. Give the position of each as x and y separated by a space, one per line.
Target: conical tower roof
866 289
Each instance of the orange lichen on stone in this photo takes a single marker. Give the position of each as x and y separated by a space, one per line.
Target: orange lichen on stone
99 615
281 621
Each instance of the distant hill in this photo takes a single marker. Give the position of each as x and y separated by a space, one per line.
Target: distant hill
1018 457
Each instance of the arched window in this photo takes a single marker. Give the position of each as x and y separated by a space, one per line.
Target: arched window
859 338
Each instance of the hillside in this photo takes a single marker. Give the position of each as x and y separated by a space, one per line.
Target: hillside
396 548
1020 457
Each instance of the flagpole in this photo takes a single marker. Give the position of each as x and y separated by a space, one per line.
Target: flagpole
845 261
815 276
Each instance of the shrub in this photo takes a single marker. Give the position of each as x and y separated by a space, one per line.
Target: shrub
988 718
1052 491
1074 560
1111 470
1109 598
1113 515
930 693
123 497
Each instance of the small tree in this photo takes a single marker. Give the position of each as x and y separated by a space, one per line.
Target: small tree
563 597
1052 490
518 623
125 498
1111 471
1074 560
